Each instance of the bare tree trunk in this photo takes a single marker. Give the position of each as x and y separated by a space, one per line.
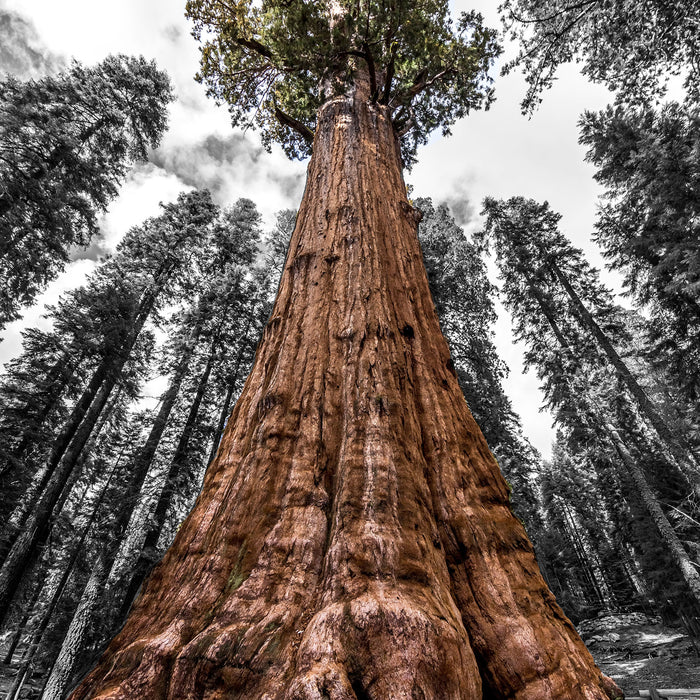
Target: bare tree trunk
665 529
682 455
585 553
62 670
38 525
140 569
19 631
353 538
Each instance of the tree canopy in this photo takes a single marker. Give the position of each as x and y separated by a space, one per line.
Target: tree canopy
634 47
276 63
66 142
649 222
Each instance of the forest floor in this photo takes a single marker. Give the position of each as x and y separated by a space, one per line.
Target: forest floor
640 652
637 651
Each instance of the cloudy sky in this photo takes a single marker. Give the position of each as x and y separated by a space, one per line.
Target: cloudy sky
498 153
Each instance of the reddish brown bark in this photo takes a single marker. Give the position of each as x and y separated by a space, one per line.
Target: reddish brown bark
353 538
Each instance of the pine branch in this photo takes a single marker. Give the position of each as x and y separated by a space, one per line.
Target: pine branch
389 76
256 46
295 125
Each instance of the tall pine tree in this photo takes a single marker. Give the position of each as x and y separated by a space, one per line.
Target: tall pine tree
66 143
152 265
546 281
647 225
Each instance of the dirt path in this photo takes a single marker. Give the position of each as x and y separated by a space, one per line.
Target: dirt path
640 652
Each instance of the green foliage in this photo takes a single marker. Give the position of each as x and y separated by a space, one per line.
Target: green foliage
633 47
275 63
66 143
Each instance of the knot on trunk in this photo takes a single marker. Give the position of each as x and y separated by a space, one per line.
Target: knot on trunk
413 213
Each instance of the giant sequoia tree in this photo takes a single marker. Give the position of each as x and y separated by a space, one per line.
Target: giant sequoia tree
353 537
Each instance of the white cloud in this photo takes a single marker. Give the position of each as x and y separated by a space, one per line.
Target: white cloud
140 197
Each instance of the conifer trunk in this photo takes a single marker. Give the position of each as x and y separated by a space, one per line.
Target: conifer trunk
19 630
62 670
37 526
231 384
58 378
353 538
154 525
28 535
584 553
183 443
665 529
17 522
36 637
682 455
668 535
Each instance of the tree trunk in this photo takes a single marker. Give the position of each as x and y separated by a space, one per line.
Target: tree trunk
665 529
649 499
684 457
106 373
144 459
353 538
585 551
37 634
43 586
135 479
38 525
223 417
62 670
28 535
57 378
18 519
19 630
231 383
138 572
140 473
190 423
